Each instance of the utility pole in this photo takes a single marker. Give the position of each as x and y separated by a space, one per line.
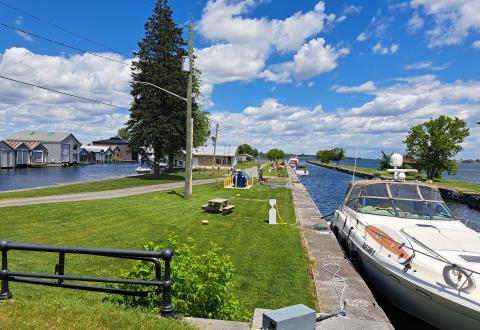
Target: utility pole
215 148
189 147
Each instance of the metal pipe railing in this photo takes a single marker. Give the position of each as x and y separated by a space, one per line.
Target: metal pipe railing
6 276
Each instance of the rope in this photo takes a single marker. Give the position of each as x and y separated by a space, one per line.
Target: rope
335 279
279 216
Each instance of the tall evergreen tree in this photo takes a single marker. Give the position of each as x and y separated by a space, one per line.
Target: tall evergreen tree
158 119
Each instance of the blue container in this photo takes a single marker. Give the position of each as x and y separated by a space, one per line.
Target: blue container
241 180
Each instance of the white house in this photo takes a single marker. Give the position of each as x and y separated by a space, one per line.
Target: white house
7 155
225 157
61 147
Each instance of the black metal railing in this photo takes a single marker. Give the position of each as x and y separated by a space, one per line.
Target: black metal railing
60 279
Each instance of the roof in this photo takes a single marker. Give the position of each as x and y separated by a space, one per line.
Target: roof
220 151
95 148
30 144
113 140
40 136
364 183
5 144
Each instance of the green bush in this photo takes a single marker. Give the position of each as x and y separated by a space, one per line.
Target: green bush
202 284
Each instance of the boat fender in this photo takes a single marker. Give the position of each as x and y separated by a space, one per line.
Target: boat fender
458 279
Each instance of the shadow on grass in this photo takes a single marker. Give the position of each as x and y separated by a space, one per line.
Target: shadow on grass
161 176
174 192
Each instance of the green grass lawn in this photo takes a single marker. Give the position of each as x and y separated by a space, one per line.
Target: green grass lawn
249 164
110 184
458 185
271 265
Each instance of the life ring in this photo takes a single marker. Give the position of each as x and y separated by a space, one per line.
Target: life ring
455 276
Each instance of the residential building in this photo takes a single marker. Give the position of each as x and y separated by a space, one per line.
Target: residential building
225 157
98 152
125 153
61 147
29 153
7 155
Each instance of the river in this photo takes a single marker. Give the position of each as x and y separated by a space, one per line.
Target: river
22 178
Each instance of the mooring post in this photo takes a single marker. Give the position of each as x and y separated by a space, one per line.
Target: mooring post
4 291
166 310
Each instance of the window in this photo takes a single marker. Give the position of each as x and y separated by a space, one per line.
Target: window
408 191
75 147
218 161
430 194
375 190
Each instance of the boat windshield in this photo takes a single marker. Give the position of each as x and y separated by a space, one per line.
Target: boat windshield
400 200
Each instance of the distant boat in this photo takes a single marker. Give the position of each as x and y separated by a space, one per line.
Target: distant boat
144 168
301 170
293 162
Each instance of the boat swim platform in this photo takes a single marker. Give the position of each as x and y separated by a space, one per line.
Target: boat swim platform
324 249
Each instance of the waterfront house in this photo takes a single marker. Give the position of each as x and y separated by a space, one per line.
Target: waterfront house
29 153
97 153
225 157
61 147
7 155
125 154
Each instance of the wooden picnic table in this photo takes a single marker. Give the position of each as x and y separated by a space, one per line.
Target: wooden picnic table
218 205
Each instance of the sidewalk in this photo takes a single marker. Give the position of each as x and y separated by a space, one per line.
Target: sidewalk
98 194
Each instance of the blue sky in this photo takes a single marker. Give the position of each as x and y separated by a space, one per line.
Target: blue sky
299 75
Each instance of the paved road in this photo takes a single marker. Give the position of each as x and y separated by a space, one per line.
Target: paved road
98 194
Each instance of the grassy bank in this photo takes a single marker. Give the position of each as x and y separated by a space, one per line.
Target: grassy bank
271 267
109 184
249 164
458 185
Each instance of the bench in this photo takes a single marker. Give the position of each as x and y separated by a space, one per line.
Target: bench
227 209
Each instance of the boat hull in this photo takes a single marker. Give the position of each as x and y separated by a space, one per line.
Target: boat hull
408 299
406 294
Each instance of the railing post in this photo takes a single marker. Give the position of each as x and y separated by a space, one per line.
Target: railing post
4 291
60 267
166 310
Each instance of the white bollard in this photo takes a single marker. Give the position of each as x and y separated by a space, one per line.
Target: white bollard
272 213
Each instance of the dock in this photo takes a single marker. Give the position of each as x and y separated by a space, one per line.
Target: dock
361 309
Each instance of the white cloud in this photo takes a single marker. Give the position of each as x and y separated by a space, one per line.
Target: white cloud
424 65
311 84
415 23
23 107
315 58
351 10
19 22
380 49
453 20
366 87
476 44
242 45
362 37
381 123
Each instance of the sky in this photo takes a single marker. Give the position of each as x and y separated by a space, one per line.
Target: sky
296 75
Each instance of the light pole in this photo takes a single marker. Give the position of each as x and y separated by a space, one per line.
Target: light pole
189 123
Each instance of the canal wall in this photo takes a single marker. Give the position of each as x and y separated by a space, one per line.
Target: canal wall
472 199
327 257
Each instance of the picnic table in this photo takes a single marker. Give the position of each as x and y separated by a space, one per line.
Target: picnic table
218 205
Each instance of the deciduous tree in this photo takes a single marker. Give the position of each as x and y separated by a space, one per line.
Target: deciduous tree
434 143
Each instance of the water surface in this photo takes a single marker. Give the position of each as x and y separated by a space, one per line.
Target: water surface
22 178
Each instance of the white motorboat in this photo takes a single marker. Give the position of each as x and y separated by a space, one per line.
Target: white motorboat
301 170
413 250
144 169
293 162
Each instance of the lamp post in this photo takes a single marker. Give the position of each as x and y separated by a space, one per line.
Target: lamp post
189 123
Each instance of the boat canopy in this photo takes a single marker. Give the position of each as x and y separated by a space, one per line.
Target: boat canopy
398 199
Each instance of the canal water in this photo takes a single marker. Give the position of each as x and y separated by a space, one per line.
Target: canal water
469 172
22 178
327 189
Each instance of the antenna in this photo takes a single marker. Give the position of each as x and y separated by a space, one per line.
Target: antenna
355 163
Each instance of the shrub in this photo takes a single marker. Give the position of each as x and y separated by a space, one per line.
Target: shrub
202 284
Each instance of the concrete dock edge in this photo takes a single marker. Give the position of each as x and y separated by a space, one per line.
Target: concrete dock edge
362 310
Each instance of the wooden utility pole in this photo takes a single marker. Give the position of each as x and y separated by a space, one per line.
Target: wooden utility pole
189 147
215 148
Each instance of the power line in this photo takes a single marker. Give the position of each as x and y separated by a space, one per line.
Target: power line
64 93
58 27
62 44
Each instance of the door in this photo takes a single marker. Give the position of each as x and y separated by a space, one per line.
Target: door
65 153
3 159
